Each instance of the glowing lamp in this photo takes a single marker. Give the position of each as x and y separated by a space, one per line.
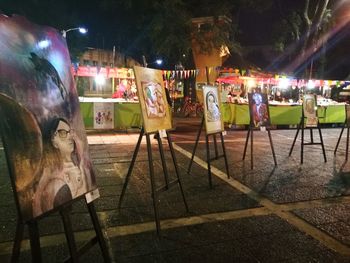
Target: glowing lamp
100 80
251 83
283 83
310 84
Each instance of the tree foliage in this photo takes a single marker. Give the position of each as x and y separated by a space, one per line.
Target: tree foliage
300 31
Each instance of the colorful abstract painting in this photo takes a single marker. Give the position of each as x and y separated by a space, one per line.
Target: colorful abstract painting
41 126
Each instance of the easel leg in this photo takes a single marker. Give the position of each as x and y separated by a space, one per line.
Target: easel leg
34 241
272 149
224 152
99 234
176 169
195 145
347 144
16 250
312 135
69 235
251 150
130 168
153 186
246 144
341 134
302 145
162 157
215 147
295 138
208 160
323 150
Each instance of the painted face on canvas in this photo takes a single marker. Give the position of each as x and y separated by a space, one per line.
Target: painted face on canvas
63 139
211 101
257 98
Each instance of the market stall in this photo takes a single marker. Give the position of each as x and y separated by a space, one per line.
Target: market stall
284 99
238 114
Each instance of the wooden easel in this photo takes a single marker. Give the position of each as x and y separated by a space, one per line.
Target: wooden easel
168 184
250 134
64 211
301 126
209 159
74 251
346 125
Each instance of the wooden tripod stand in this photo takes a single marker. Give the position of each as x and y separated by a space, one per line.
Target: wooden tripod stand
209 159
168 184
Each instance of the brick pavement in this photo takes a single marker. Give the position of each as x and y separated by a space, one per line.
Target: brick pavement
288 213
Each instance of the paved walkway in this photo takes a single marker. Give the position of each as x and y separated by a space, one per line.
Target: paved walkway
287 213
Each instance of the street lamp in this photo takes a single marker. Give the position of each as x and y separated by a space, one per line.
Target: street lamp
157 61
81 30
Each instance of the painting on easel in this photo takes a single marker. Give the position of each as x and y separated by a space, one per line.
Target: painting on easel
258 109
310 110
152 97
212 111
41 127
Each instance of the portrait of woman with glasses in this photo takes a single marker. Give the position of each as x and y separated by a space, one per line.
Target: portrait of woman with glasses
65 174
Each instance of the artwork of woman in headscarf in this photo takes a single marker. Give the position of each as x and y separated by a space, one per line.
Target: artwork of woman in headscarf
213 111
310 110
65 174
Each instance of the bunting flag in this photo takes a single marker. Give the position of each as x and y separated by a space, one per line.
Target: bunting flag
168 74
228 75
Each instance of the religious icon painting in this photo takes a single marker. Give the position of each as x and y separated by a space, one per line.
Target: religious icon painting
154 106
40 123
154 101
259 109
310 110
212 110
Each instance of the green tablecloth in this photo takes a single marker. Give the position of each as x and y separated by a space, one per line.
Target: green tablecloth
126 115
282 114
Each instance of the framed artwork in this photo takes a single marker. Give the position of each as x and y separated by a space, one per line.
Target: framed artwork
103 115
310 110
259 109
212 110
40 125
154 106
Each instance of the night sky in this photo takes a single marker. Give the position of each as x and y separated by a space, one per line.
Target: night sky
116 27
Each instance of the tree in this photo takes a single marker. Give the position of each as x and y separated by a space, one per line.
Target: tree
304 27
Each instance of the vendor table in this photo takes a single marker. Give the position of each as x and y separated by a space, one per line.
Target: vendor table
282 114
128 114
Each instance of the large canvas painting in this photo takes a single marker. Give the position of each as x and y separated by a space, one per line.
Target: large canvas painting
259 109
212 111
310 110
41 126
152 97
